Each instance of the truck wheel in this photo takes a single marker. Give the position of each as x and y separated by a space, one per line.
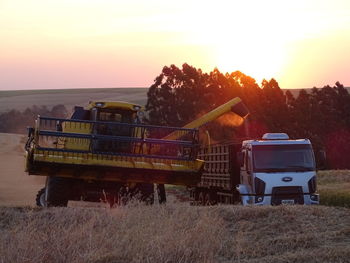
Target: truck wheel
201 198
41 198
58 191
210 199
207 199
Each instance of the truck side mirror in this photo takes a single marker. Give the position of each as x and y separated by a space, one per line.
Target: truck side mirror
321 159
240 158
30 131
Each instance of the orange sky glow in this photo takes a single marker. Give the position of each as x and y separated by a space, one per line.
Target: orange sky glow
104 43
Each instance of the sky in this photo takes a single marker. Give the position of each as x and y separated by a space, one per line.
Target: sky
46 44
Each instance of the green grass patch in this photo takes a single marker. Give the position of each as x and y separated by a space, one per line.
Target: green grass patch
335 198
334 187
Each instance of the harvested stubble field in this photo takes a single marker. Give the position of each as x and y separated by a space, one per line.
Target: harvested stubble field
175 233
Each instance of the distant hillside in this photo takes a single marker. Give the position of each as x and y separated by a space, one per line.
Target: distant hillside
22 99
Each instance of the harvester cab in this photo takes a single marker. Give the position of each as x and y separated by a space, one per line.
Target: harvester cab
115 112
108 119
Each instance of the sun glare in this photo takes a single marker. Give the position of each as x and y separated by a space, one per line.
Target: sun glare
255 38
254 44
260 61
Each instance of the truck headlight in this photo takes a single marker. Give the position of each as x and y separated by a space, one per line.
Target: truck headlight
314 197
259 199
312 183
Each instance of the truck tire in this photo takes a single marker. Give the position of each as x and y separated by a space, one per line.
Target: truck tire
41 198
210 199
58 191
201 198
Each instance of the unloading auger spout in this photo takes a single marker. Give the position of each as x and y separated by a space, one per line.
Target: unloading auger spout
235 106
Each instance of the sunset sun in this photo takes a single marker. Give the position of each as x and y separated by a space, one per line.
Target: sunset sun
261 61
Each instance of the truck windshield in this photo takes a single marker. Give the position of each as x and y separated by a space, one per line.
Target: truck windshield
283 158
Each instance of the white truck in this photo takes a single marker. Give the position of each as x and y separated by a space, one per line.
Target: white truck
272 171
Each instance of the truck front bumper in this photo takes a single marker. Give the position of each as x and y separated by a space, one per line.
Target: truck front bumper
305 199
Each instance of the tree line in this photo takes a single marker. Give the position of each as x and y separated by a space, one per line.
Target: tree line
179 95
16 121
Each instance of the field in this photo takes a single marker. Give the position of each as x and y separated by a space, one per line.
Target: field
22 99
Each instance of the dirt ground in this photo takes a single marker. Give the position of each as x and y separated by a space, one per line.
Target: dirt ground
16 187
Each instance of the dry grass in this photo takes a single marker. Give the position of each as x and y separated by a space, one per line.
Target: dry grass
175 233
334 187
330 177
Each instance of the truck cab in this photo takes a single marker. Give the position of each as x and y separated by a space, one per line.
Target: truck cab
276 170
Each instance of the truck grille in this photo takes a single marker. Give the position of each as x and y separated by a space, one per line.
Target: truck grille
287 193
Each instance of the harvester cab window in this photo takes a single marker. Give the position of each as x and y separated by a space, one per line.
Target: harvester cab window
110 116
113 122
117 116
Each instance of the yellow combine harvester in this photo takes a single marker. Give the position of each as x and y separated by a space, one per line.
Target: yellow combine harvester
105 152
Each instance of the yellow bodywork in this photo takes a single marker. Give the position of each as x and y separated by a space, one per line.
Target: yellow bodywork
117 161
76 143
114 105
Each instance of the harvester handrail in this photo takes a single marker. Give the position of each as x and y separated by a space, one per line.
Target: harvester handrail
149 156
116 123
109 137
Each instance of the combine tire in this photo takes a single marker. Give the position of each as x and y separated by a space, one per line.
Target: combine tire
142 192
161 193
40 198
58 191
147 193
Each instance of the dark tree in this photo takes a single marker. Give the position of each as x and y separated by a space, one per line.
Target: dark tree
15 121
322 115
